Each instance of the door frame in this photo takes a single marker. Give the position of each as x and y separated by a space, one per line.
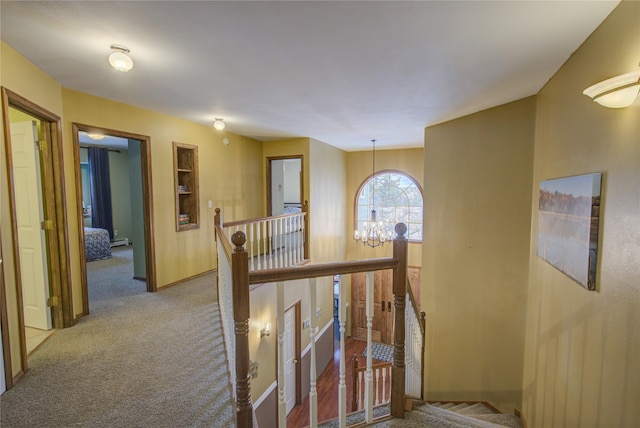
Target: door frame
297 306
52 164
269 159
147 203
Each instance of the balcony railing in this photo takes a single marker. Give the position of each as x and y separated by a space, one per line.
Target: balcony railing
235 277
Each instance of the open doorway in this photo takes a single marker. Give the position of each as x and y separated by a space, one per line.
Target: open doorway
113 191
284 185
42 297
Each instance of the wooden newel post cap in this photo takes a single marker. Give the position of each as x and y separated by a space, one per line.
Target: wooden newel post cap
238 239
217 210
401 230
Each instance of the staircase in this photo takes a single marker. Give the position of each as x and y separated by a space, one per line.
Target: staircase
454 414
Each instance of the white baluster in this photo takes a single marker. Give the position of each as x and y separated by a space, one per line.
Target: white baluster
384 384
258 242
377 386
313 395
360 388
251 267
368 392
282 399
280 242
342 386
270 243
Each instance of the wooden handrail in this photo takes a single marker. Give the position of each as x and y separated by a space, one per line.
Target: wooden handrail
319 270
228 249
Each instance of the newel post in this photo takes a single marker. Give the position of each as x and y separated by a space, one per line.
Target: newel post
400 246
240 275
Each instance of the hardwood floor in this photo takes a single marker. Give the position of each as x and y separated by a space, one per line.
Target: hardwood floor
327 387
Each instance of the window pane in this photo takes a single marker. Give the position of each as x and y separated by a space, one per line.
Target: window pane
396 198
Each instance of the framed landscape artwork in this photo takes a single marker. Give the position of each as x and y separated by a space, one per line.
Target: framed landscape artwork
568 224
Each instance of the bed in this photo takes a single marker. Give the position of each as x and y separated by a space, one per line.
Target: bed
97 244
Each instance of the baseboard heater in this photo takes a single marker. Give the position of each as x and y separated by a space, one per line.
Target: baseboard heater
120 242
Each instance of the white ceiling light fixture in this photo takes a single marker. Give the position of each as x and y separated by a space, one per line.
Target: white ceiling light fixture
219 124
120 59
95 135
617 92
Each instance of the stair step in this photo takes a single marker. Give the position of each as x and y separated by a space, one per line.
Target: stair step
434 415
446 405
511 421
448 418
457 407
476 409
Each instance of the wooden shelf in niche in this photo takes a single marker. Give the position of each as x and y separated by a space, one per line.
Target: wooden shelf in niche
185 166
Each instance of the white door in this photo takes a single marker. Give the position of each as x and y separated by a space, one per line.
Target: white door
289 359
30 213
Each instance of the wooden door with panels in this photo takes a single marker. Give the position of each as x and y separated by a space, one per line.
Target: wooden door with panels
383 308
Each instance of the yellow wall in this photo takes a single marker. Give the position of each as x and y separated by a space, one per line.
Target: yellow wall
582 354
230 177
477 199
22 77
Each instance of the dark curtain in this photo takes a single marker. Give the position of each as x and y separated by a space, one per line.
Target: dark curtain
101 216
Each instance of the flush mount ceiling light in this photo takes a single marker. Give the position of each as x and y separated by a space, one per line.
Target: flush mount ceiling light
219 124
617 92
95 136
120 59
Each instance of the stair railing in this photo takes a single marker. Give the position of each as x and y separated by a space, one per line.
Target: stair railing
238 288
274 242
381 384
414 355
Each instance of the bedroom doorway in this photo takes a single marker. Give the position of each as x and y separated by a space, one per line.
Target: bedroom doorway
41 299
285 184
118 212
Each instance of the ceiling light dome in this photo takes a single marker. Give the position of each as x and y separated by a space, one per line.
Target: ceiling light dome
617 92
120 59
219 124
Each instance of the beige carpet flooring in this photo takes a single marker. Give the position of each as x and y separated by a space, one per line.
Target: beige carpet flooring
138 360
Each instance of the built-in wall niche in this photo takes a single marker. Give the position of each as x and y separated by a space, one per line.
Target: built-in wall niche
185 166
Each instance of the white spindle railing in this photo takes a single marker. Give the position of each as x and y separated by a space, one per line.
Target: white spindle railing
282 398
414 345
381 385
342 386
313 331
279 242
274 242
225 300
368 390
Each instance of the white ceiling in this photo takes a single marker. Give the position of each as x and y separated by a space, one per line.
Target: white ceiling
340 72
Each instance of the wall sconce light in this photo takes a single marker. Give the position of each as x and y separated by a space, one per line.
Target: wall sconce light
120 59
266 331
219 124
617 92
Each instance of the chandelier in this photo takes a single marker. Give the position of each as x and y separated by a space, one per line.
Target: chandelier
373 232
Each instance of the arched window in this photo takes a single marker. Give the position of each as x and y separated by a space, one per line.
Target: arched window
396 197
